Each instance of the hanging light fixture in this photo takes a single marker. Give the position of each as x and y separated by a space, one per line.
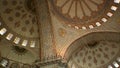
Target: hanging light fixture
4 62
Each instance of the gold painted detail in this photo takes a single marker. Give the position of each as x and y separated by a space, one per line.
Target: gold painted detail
62 32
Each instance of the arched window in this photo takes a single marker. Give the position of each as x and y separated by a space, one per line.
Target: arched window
114 8
116 1
4 62
32 44
109 14
116 64
3 31
24 43
16 40
9 36
110 66
118 59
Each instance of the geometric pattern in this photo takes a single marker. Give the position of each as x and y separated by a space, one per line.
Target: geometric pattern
92 57
18 22
84 14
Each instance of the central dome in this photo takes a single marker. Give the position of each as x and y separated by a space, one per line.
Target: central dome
82 13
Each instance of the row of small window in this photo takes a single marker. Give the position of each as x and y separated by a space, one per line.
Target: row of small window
17 39
109 14
5 63
115 63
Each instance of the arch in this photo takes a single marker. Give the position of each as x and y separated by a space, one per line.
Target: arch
94 36
12 53
84 51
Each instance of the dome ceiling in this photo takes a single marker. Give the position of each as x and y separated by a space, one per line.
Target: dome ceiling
96 55
17 54
18 20
95 50
19 16
17 57
19 25
82 14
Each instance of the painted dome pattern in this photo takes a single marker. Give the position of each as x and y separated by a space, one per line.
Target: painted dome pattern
83 14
